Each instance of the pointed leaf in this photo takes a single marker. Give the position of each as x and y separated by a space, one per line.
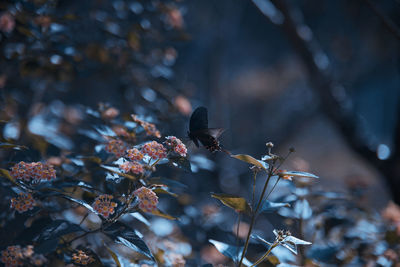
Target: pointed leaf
13 146
298 174
114 256
80 202
123 234
163 215
5 173
251 160
239 204
269 206
232 252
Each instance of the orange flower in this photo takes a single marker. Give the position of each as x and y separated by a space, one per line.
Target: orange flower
12 256
23 202
80 257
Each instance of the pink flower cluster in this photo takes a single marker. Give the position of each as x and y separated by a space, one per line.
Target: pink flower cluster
134 154
23 202
12 256
132 166
176 145
104 206
7 22
148 199
149 128
116 147
154 150
34 171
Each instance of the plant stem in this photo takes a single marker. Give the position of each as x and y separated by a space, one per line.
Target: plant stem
265 255
237 236
254 189
253 217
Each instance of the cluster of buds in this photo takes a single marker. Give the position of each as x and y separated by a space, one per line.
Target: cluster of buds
176 145
148 200
104 206
132 166
82 258
149 128
34 171
154 150
134 154
23 202
14 256
116 147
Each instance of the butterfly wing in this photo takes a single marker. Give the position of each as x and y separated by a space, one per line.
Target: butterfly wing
198 120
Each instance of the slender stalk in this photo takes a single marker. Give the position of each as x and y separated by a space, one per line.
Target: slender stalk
237 236
253 217
265 255
254 189
84 218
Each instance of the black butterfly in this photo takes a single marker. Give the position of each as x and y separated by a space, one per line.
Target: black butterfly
199 131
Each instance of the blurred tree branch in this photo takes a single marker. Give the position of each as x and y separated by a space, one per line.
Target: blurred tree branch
332 96
389 24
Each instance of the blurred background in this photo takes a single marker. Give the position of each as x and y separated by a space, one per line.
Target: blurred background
319 76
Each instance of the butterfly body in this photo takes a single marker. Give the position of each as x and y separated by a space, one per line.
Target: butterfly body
200 133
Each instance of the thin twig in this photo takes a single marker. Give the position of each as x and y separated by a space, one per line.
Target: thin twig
265 255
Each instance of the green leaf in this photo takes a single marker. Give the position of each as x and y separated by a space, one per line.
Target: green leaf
298 174
251 160
239 204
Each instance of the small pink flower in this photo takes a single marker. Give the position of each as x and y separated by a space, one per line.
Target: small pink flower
34 171
154 150
132 166
148 199
104 206
176 145
7 23
134 154
116 147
